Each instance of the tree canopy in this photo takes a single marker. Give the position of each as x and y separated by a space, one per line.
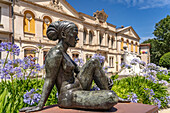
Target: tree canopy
161 44
165 60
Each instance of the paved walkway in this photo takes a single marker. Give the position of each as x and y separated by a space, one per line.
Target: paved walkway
164 111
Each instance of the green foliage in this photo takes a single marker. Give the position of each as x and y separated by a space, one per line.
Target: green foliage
161 76
8 105
137 85
165 60
160 44
114 77
162 32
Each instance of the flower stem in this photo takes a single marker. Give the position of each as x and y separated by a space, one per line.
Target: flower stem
12 90
5 64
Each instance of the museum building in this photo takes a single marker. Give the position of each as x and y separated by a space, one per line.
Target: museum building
32 17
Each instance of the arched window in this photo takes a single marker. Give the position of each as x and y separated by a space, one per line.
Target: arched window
29 52
44 55
122 41
127 44
46 22
131 46
136 47
100 39
108 40
29 22
84 36
90 38
112 42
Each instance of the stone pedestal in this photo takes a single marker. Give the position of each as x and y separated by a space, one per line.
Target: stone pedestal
119 108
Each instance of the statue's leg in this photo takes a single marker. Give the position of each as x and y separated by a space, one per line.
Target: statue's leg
90 71
97 100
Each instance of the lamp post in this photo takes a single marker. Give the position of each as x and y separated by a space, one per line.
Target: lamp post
12 8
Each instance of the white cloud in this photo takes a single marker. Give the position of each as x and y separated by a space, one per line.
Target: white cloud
142 4
145 38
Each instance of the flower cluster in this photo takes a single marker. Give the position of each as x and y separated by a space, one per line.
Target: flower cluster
18 68
157 102
133 97
164 82
79 61
124 65
9 70
31 97
105 69
10 48
100 57
134 61
94 88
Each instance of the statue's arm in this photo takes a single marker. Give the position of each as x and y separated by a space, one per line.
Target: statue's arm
52 65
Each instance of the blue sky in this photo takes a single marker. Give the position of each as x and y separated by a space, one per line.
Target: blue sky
142 15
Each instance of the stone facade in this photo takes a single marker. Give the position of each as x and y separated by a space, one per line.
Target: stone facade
145 52
96 35
5 23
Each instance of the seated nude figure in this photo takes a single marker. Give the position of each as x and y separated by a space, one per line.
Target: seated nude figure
73 84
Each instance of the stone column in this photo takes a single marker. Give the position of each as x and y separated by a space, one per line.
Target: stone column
98 33
109 42
87 37
106 44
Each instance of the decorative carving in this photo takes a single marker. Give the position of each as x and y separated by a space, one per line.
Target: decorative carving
55 4
101 16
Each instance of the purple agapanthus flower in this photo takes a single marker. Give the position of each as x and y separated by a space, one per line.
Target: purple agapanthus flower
142 63
100 57
10 48
157 102
128 66
164 82
94 88
123 64
151 66
79 61
133 62
133 97
31 97
106 69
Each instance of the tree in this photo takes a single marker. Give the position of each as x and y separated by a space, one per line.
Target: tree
165 60
161 44
162 32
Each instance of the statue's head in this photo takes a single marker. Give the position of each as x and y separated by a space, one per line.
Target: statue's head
63 30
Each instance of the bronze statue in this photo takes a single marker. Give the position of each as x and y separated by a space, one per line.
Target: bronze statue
73 84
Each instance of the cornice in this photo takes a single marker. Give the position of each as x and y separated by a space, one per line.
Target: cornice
91 17
5 32
51 9
128 36
5 2
111 25
34 42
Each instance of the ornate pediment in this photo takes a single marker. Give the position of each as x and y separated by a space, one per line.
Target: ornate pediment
101 16
55 4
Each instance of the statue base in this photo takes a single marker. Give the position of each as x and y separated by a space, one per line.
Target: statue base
118 108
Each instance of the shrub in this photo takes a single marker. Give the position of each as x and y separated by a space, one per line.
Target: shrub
141 90
8 105
165 60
